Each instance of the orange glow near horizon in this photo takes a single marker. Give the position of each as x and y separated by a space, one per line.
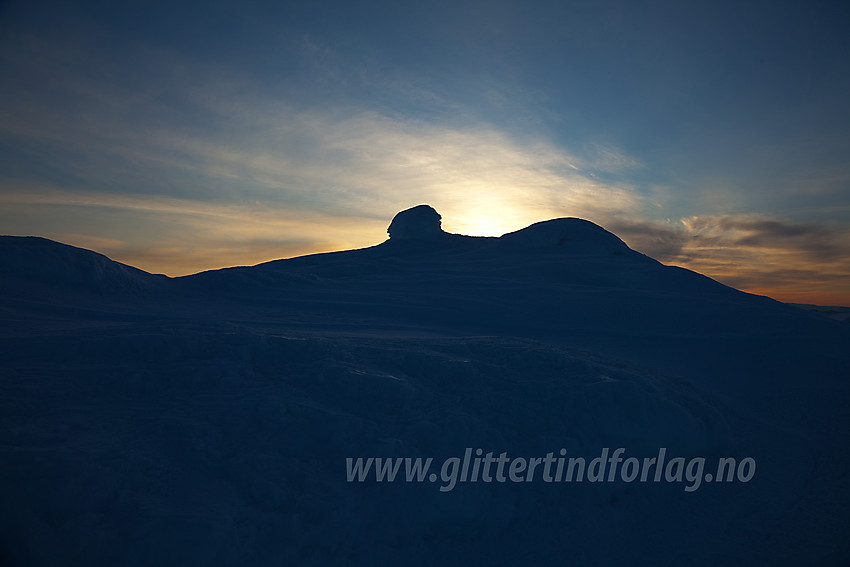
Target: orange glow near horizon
179 261
180 237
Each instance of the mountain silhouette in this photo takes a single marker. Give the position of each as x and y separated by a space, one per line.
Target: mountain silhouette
38 261
207 419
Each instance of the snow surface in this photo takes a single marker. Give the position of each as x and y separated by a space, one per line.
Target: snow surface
839 313
205 420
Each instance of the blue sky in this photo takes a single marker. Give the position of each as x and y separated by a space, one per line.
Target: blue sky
181 136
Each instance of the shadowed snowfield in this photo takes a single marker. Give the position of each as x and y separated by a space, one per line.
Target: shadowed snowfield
205 420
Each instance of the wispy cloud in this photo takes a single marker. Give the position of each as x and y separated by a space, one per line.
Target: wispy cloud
253 163
178 236
793 261
663 241
815 241
177 166
364 167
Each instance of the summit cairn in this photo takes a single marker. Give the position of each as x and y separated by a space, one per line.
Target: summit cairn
417 223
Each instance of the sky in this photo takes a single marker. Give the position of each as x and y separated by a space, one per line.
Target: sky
184 136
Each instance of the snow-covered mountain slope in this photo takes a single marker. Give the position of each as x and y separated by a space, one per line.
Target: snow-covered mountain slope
46 284
39 261
839 313
206 420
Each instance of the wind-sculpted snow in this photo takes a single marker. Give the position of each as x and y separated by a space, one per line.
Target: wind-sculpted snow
207 420
164 436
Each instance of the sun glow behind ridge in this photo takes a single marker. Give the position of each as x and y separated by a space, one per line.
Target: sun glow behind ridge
254 174
493 218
